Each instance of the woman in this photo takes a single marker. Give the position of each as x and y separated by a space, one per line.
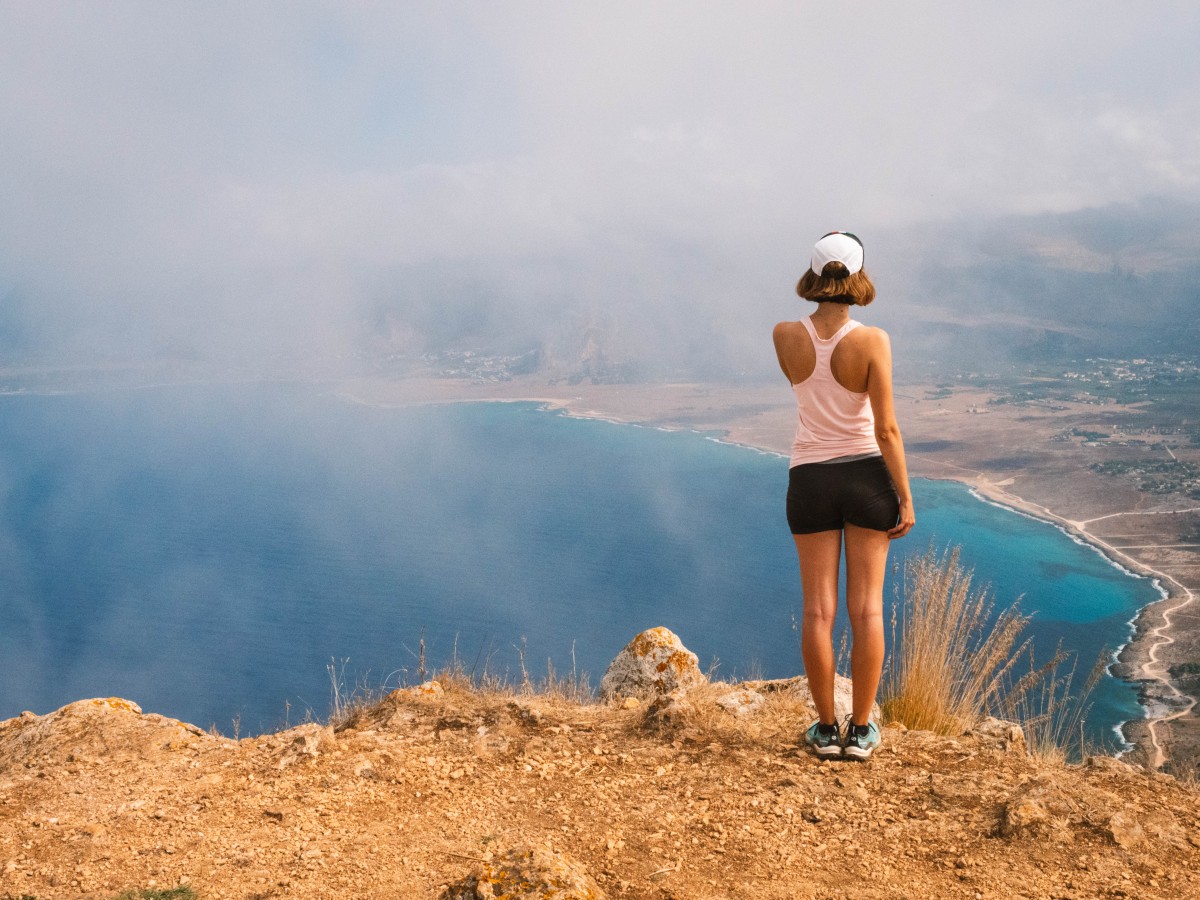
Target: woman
847 483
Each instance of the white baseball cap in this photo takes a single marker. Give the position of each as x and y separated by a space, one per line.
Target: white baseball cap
839 246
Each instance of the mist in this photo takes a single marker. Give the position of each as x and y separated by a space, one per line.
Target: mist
619 192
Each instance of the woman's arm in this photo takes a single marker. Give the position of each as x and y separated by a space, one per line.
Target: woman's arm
887 431
781 336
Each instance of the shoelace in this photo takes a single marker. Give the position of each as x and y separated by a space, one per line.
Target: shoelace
852 730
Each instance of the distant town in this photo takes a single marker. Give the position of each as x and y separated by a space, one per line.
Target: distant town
1147 414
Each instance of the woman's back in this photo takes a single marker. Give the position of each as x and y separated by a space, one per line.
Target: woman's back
850 361
833 420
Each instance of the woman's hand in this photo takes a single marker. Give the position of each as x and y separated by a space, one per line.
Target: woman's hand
907 520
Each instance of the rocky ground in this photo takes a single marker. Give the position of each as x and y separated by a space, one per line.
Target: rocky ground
667 800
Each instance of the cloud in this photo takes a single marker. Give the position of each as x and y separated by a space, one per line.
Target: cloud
232 179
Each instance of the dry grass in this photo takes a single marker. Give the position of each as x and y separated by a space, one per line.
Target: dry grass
951 664
1053 717
700 716
956 662
351 705
1190 779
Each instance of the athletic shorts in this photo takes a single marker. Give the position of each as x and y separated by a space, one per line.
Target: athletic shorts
826 496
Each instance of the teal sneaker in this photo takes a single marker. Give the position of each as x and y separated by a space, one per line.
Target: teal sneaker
826 740
861 740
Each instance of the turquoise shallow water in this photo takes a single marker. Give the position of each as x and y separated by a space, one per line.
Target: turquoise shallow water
208 551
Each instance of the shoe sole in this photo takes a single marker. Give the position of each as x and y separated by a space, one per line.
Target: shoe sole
833 750
858 753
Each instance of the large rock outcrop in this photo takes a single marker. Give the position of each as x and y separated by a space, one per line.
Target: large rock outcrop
653 664
107 728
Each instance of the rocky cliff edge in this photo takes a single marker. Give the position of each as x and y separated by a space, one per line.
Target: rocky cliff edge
444 791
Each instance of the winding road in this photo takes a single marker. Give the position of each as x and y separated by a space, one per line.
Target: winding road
1160 636
1152 668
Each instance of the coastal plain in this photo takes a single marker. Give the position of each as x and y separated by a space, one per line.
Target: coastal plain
1117 473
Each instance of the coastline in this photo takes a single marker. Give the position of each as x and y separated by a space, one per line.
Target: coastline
1136 655
1134 661
751 417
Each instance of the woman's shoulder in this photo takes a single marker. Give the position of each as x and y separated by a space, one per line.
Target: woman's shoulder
869 334
868 343
788 329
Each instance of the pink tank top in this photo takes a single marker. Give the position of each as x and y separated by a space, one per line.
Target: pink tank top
834 421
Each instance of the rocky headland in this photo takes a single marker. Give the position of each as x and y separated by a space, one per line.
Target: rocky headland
668 786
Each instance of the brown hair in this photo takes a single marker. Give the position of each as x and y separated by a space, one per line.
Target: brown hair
835 284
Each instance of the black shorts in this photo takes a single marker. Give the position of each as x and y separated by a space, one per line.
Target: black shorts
827 496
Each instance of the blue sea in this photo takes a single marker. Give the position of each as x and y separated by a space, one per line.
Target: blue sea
210 551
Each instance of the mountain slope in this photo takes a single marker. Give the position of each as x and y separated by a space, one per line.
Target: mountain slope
411 794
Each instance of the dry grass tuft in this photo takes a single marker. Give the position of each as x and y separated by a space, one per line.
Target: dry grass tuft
1189 778
949 669
1051 715
352 706
955 663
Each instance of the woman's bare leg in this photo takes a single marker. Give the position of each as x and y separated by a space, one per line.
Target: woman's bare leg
820 555
866 566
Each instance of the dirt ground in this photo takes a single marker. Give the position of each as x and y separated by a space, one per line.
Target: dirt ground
414 793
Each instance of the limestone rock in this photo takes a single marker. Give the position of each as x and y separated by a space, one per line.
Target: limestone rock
1125 830
364 768
310 739
741 701
654 663
1000 734
306 741
107 727
526 873
1114 766
426 689
843 696
525 712
1040 809
669 710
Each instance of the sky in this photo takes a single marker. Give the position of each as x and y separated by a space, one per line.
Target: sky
292 180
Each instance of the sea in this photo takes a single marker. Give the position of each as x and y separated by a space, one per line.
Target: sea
232 555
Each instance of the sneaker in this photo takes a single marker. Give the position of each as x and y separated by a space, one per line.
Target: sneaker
861 740
826 740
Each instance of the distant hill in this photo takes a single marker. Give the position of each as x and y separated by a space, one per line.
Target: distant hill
1117 282
961 295
957 295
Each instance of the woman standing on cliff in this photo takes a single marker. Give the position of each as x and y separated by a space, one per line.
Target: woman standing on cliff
847 483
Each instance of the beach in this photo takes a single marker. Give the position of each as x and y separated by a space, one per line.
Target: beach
1031 457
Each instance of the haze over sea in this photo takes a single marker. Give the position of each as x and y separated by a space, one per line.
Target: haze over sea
207 551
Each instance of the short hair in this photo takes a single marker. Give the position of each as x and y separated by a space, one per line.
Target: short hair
835 284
